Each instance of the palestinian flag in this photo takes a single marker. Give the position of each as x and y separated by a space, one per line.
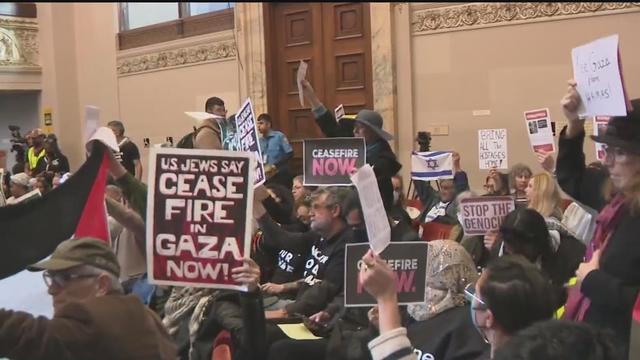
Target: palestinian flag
29 232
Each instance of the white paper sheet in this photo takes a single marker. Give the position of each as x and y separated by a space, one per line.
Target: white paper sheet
596 70
375 216
538 126
302 74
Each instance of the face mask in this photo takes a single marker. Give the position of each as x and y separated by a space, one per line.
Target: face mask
360 236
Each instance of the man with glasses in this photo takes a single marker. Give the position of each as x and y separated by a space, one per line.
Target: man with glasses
323 247
92 318
510 295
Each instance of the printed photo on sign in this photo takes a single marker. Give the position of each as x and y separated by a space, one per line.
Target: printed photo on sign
198 216
596 69
600 127
540 133
492 149
431 165
332 161
482 214
408 260
248 138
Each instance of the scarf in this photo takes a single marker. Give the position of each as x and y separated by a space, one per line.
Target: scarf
449 269
606 223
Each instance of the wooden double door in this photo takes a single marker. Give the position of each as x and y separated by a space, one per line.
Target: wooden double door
334 39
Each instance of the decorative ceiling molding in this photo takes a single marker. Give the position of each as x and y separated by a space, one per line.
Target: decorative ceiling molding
18 42
480 15
179 53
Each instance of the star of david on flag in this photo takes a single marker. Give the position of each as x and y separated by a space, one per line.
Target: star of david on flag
431 165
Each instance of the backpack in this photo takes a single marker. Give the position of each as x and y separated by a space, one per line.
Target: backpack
188 141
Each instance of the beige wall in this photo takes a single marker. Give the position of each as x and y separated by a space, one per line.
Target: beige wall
506 70
153 104
78 54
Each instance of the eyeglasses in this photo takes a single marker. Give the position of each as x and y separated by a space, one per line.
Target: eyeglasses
470 295
60 279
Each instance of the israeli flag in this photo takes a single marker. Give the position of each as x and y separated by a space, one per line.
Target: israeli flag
431 165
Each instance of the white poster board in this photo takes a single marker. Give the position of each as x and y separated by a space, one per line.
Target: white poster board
492 149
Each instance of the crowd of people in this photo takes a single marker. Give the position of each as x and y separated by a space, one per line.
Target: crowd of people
537 287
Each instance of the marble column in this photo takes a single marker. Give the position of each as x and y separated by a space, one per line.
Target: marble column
382 65
249 28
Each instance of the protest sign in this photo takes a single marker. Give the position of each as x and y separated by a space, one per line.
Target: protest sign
302 74
492 149
375 216
539 130
482 214
332 161
600 127
248 138
596 69
91 119
431 165
339 112
407 259
198 216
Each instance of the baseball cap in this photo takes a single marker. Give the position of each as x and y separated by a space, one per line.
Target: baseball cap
81 251
21 179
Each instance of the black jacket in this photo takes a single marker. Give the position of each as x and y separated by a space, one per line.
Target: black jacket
449 335
614 287
379 154
324 265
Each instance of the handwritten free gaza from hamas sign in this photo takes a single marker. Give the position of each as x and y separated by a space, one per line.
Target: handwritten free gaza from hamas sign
331 162
199 211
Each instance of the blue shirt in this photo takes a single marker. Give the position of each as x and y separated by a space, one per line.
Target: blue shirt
274 146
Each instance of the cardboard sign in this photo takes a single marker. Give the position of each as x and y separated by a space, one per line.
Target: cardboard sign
248 137
407 259
431 165
483 214
198 216
375 216
600 127
332 161
596 70
302 74
539 130
492 149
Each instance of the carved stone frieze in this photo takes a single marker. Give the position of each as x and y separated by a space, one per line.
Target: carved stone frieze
18 42
474 15
176 55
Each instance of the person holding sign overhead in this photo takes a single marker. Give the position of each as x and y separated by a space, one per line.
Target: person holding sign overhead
609 279
367 125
